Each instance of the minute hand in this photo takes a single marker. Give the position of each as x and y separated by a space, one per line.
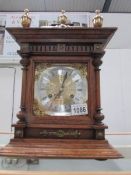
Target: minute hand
62 86
61 89
65 77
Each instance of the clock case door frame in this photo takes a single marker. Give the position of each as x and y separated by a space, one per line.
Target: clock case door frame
40 60
83 124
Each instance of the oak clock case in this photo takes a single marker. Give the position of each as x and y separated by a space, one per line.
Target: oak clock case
60 111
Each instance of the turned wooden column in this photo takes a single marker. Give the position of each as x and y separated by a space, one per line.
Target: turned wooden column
22 114
97 63
98 116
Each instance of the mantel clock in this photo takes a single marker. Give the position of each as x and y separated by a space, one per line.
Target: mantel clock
60 112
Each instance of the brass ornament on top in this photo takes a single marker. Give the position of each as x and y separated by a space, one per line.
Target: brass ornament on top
63 20
25 19
97 20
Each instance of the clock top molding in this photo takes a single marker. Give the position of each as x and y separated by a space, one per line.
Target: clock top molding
63 35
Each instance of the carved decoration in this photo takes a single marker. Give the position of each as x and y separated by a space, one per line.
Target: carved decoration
60 47
61 133
19 133
38 109
21 115
98 47
100 134
25 62
98 116
97 59
43 66
24 48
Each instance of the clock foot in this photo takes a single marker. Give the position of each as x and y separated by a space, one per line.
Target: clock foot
101 159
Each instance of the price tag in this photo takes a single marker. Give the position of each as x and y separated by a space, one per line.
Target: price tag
79 109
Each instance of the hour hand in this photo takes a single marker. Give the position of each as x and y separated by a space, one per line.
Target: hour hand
58 94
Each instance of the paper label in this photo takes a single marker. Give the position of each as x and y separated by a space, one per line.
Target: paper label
79 109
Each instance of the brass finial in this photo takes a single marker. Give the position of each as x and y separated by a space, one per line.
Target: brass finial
62 19
98 19
25 19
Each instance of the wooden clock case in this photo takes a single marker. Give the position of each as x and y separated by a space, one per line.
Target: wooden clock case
56 136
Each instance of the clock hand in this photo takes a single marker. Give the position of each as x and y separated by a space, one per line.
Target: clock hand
56 96
61 89
65 77
62 86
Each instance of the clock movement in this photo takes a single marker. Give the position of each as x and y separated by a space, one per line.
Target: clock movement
60 111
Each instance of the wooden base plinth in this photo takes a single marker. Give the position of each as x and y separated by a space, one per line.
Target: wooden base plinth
60 148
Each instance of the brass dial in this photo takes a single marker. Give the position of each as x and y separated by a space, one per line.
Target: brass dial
58 87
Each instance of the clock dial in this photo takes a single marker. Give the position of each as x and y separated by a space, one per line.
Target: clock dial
59 87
